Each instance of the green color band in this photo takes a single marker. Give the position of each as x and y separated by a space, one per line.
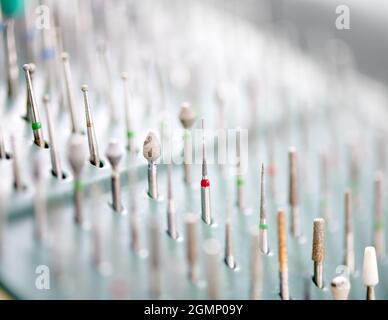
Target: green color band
263 226
187 135
78 185
36 125
12 8
240 182
130 134
379 226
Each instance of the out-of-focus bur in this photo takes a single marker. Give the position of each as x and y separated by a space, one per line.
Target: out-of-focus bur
187 118
56 167
255 266
340 288
40 198
283 257
324 187
318 251
128 119
263 227
212 250
349 236
171 213
229 258
379 237
77 157
114 155
17 179
134 220
11 58
3 153
370 274
192 246
3 215
152 151
96 253
155 258
240 182
293 193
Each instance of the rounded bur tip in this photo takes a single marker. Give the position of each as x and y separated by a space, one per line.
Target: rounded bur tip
340 288
26 67
151 147
76 153
212 247
187 115
84 88
114 153
318 254
370 275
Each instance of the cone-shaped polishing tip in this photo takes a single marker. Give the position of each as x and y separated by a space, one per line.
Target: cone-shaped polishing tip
186 115
77 153
114 153
370 275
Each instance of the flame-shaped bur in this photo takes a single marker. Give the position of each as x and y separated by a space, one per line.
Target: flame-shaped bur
340 288
187 115
151 147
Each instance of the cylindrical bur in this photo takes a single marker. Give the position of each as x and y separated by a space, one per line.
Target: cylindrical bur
283 258
379 238
114 154
128 120
340 288
205 201
17 179
293 193
349 236
240 183
318 252
229 259
40 209
155 262
191 246
187 118
171 213
212 250
151 151
11 58
28 116
77 156
370 274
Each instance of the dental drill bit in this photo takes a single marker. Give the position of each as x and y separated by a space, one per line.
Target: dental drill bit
205 185
191 246
134 221
77 156
379 238
283 258
69 93
40 206
340 288
318 251
293 193
17 180
11 58
56 168
240 183
349 236
28 116
229 259
263 227
128 120
324 187
370 274
152 151
171 213
96 227
212 250
114 155
94 156
255 266
155 258
187 118
3 215
35 124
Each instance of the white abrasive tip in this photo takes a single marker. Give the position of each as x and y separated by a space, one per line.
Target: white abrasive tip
114 153
76 153
340 288
187 115
151 147
370 274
